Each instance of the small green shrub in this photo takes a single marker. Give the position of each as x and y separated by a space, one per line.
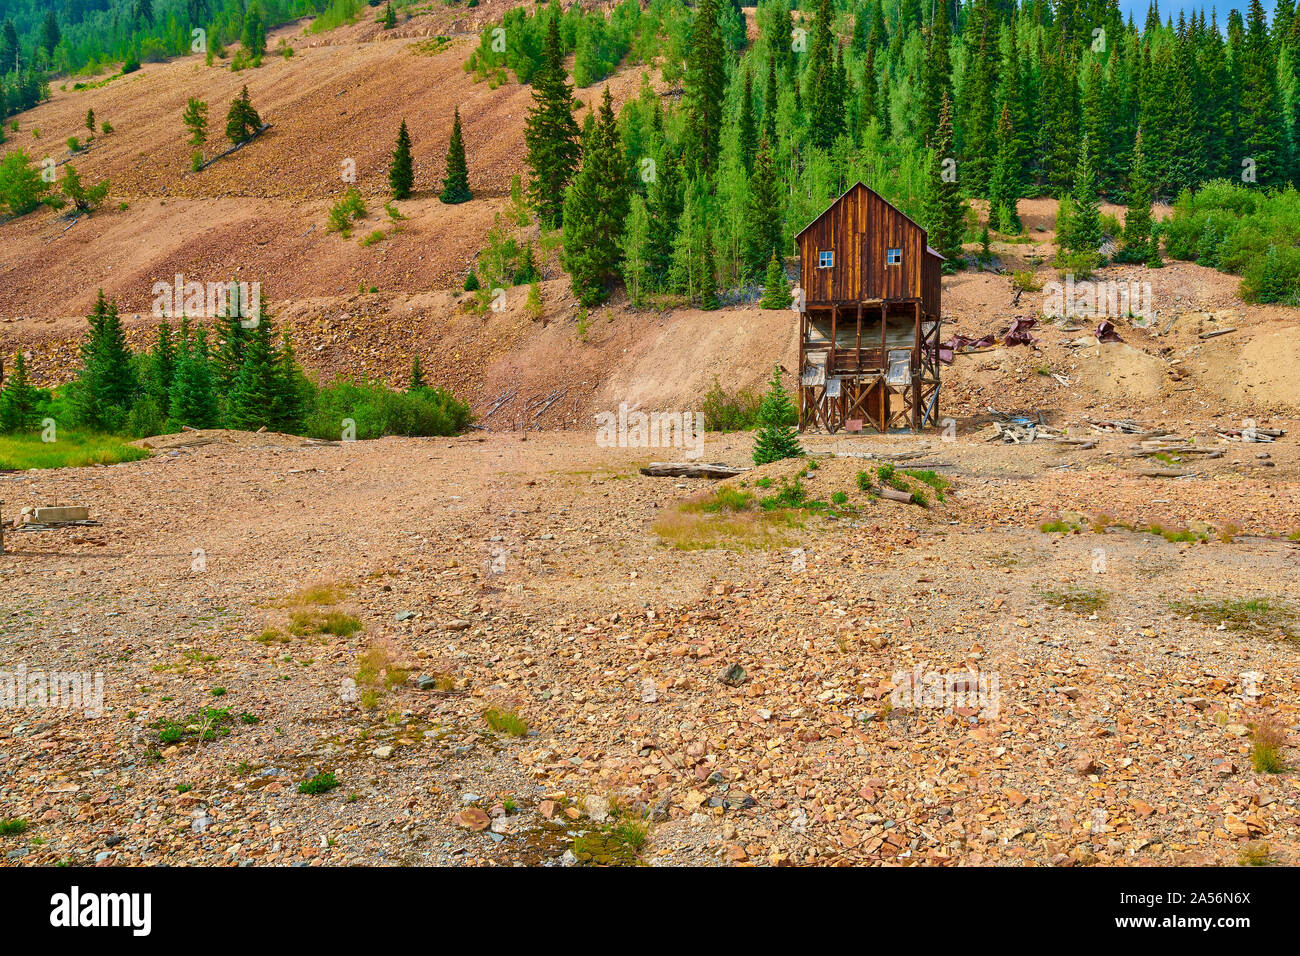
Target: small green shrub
505 721
321 783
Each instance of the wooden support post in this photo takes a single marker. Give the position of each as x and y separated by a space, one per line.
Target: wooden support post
2 528
859 335
803 354
916 376
830 362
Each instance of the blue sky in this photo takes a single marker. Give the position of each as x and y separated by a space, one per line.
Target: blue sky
1168 8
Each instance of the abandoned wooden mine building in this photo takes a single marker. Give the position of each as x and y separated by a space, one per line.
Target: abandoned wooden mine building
869 326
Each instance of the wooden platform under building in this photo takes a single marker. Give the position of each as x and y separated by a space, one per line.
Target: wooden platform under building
869 326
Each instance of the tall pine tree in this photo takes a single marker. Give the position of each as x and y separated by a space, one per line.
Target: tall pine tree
595 208
401 174
551 133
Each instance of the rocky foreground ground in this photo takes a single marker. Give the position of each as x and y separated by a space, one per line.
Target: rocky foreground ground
650 704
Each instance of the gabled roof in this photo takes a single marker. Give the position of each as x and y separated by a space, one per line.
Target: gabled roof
837 199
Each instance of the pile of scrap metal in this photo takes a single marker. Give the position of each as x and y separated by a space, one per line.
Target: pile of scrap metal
962 343
1106 332
1015 334
1248 434
1018 332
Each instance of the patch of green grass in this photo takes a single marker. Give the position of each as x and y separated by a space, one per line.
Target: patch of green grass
505 721
928 477
317 595
1077 599
1255 853
1266 739
724 499
207 724
12 827
370 238
321 783
1251 615
1170 534
72 450
306 623
1059 527
618 843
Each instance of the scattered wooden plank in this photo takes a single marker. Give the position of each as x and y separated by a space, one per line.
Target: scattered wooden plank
1217 332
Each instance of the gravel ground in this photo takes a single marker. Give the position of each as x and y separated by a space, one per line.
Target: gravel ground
525 574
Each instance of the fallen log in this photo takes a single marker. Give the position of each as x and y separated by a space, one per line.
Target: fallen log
691 469
234 149
893 494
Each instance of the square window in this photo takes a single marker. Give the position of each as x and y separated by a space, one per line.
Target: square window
825 260
894 257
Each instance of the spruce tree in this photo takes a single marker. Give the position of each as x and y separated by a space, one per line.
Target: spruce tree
936 74
945 211
195 119
401 173
551 133
748 132
707 280
664 206
776 436
764 221
106 388
706 82
228 356
979 112
1136 243
869 105
596 207
254 399
18 399
455 185
417 375
1260 113
193 393
1004 188
1085 208
776 290
162 362
291 388
770 100
253 37
390 16
242 121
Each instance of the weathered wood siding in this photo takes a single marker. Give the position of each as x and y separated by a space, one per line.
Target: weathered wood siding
860 228
931 284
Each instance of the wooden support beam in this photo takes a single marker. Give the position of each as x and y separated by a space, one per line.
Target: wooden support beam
859 336
830 362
